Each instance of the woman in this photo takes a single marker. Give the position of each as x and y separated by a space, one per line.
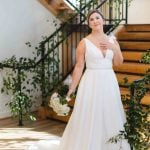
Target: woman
98 112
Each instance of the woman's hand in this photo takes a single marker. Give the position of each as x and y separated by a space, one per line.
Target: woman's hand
105 44
114 46
68 98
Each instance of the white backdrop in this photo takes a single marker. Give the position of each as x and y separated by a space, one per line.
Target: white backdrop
21 21
139 12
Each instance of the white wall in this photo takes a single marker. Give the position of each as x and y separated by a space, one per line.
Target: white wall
139 12
21 21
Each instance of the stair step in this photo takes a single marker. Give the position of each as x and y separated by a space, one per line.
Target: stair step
132 56
134 50
130 78
134 36
139 27
61 9
134 45
71 103
52 114
145 100
132 68
123 91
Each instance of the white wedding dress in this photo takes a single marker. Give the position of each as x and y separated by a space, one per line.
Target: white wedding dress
98 113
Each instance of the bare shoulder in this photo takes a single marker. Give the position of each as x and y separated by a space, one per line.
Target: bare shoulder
88 37
81 45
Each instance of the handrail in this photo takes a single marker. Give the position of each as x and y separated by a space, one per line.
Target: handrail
81 21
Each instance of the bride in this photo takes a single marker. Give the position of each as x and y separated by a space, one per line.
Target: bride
98 113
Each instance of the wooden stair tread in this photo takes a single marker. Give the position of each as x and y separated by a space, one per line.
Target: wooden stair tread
130 78
133 68
137 27
71 103
145 100
134 50
58 7
132 56
52 114
124 91
134 36
133 45
134 40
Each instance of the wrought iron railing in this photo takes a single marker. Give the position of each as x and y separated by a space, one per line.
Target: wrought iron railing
65 39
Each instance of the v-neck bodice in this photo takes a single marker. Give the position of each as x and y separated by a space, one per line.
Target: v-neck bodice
104 54
94 57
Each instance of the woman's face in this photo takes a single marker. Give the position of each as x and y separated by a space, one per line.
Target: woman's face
95 21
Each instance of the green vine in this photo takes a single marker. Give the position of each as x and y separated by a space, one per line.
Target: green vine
15 83
146 57
137 130
26 103
24 76
137 125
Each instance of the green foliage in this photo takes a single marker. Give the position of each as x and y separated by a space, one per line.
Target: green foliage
146 57
124 82
14 63
24 76
137 127
16 83
20 102
62 89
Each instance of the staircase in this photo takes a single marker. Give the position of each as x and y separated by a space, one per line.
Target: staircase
59 8
134 40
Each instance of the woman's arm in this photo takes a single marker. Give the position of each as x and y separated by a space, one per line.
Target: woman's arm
118 58
79 66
